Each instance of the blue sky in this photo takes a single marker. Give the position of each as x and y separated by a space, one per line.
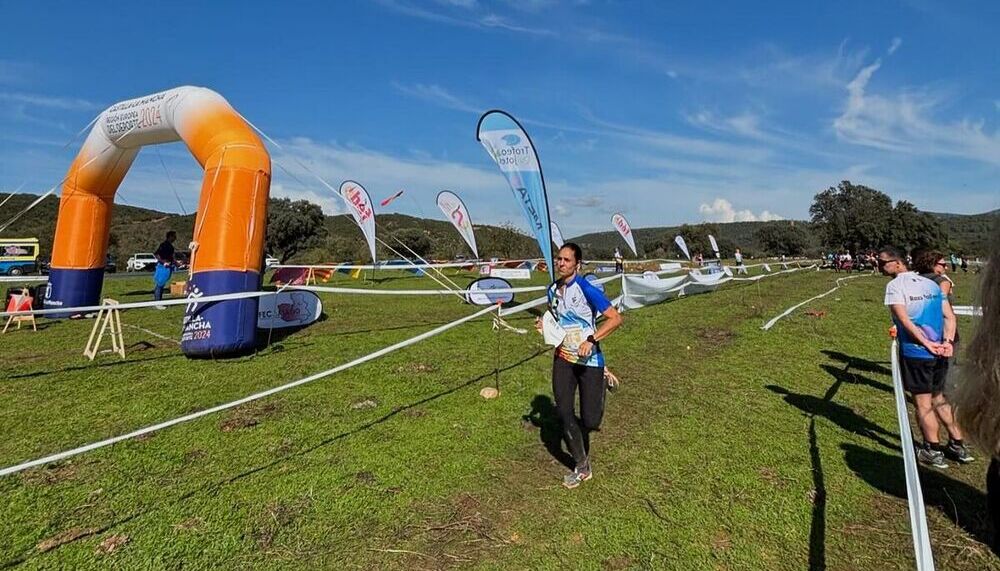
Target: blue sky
667 112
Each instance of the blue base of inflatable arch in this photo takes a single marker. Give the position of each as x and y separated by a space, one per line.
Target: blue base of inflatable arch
73 288
221 328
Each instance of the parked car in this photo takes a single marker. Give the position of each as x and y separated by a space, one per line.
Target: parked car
18 256
182 259
144 262
110 266
270 261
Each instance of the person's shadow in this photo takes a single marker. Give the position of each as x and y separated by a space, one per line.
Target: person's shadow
842 416
543 416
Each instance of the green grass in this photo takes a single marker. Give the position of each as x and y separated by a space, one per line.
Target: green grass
726 448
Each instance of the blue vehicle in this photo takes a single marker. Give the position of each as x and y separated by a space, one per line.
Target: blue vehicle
18 256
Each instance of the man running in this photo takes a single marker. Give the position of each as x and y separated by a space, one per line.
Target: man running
925 325
579 362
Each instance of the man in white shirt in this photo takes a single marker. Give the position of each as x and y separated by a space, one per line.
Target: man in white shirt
925 329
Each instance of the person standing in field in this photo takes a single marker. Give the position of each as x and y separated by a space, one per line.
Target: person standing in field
925 325
164 266
578 364
740 268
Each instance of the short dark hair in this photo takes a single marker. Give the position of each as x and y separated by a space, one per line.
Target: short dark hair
171 233
577 252
893 252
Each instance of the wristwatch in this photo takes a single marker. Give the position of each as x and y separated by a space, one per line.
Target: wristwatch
591 340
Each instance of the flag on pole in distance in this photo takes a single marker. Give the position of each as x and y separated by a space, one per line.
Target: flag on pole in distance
557 237
356 273
625 230
386 202
715 246
679 240
359 203
453 207
510 147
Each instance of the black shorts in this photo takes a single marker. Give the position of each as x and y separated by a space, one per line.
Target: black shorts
923 376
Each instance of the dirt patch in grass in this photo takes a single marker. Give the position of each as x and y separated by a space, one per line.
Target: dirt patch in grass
190 524
247 416
715 337
617 562
111 544
459 532
49 474
276 516
64 537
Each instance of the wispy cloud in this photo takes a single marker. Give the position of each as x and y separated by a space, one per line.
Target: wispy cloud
721 210
904 122
896 42
47 101
437 95
467 16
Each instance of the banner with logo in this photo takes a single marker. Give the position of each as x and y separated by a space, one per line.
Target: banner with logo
512 150
557 237
679 240
458 214
625 230
715 246
288 309
360 205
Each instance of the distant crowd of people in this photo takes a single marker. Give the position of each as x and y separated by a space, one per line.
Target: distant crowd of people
845 261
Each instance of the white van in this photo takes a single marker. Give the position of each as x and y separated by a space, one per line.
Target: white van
141 263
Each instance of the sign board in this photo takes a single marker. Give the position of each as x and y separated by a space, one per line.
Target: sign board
288 309
511 273
479 292
670 267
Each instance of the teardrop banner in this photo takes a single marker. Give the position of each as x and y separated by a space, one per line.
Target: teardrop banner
625 230
453 207
360 205
510 147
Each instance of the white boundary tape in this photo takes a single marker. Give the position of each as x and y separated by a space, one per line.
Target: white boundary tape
788 311
914 494
244 400
256 396
968 310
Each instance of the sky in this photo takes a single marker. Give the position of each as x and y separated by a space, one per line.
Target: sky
668 112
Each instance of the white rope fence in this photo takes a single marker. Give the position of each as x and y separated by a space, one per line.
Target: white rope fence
788 311
914 494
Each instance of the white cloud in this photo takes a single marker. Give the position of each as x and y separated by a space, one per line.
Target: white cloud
896 42
904 123
721 210
437 95
49 102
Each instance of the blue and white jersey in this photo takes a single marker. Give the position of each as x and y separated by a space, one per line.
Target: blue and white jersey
576 308
923 301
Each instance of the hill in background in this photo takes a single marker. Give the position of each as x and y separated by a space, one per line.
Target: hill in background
136 229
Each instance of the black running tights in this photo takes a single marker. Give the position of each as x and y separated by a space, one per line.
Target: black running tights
566 379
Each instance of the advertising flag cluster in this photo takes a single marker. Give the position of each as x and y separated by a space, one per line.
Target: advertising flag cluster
455 210
360 205
386 202
512 150
557 237
625 230
679 240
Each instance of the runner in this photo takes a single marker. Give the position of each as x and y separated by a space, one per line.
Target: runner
925 325
579 362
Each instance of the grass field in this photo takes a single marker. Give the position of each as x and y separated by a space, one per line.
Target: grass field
727 447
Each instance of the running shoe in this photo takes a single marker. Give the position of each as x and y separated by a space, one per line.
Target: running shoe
958 453
577 477
931 458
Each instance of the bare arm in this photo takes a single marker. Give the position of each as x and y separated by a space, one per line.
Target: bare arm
950 326
612 320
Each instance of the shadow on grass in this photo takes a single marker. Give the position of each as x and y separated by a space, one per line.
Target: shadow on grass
817 529
136 346
213 487
963 504
543 416
841 415
858 363
846 376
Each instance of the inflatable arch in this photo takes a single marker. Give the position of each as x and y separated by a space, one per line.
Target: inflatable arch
229 228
